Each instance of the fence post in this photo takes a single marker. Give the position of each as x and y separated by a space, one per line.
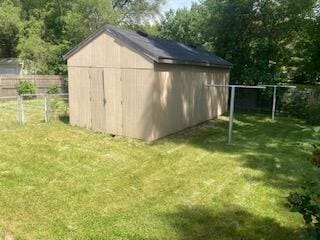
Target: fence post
274 102
233 90
21 110
23 120
46 108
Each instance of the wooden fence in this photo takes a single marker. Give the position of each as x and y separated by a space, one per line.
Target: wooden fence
8 83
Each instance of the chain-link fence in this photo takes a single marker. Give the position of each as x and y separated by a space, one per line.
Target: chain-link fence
33 108
262 99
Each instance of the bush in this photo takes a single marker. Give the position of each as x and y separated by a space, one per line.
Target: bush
298 103
307 202
53 89
65 85
313 114
315 159
26 87
295 103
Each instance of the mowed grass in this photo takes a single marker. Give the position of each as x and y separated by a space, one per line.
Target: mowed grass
63 182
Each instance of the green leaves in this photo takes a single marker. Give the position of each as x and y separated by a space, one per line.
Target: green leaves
41 31
26 87
315 159
183 25
307 204
10 27
251 34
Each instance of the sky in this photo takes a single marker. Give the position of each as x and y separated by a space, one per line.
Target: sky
175 4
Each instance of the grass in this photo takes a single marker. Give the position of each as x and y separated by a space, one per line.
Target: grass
63 182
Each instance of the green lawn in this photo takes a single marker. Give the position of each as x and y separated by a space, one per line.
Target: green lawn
62 182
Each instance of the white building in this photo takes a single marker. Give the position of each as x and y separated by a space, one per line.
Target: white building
11 66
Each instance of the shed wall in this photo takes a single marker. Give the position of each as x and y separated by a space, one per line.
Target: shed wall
141 99
79 97
13 69
107 52
181 99
128 82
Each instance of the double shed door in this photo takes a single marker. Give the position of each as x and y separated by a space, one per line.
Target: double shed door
106 100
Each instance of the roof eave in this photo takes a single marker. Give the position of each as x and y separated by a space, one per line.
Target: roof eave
83 43
10 61
183 62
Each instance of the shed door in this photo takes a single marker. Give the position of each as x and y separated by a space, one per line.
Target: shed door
98 101
114 123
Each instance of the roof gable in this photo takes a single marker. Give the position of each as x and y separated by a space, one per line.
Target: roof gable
157 49
10 61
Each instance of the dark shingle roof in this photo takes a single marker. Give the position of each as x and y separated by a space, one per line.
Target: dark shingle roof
9 61
159 50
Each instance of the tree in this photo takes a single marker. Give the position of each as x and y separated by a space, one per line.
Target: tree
86 16
306 62
136 12
10 27
257 36
37 54
183 25
41 31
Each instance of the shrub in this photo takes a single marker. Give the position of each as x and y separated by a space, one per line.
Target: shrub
313 114
307 202
302 103
65 85
26 87
295 103
315 159
53 89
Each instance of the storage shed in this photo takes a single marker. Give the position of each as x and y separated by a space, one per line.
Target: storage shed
128 83
11 66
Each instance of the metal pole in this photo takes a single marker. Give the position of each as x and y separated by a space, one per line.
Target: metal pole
19 110
232 100
274 102
233 89
46 116
274 105
22 110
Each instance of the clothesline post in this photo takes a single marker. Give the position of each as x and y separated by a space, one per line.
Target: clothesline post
232 101
274 103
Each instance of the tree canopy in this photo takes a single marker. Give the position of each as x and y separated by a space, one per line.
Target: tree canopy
41 31
267 41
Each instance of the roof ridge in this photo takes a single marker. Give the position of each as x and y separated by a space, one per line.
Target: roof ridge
157 48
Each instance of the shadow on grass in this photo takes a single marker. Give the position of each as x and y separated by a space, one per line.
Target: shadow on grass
200 223
64 118
277 149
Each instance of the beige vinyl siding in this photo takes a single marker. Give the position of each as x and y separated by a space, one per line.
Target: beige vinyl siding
181 98
137 90
82 58
97 98
127 84
114 89
113 94
79 92
107 52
